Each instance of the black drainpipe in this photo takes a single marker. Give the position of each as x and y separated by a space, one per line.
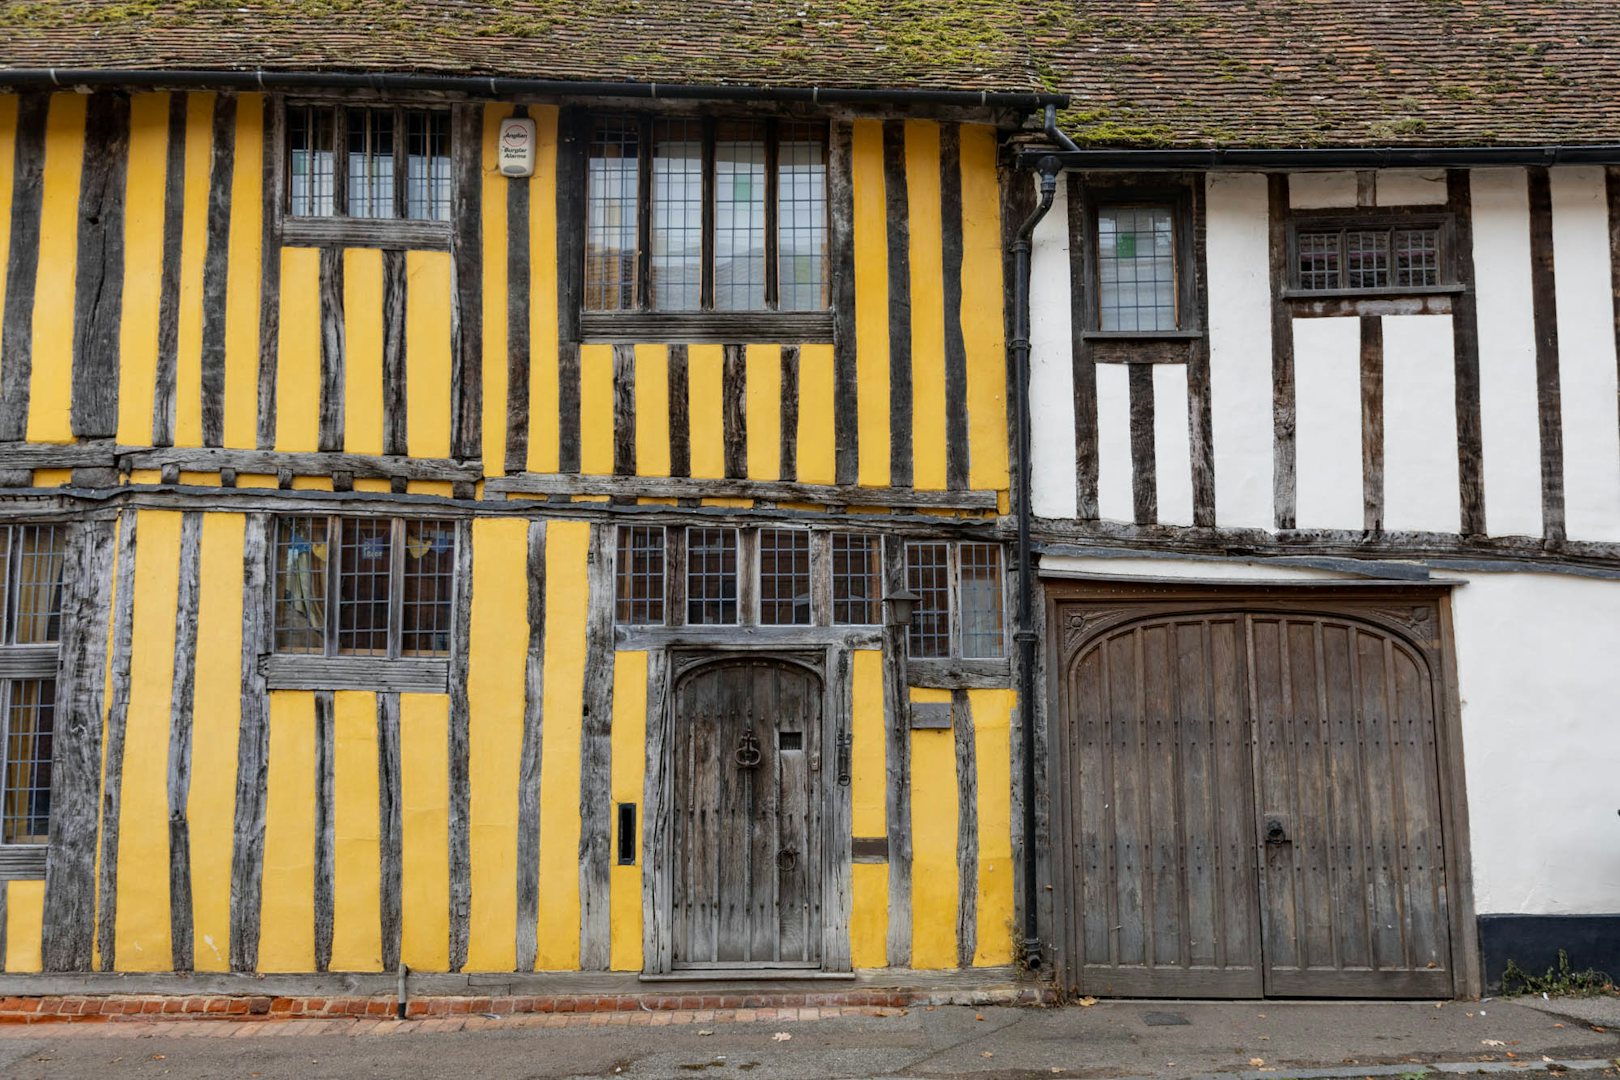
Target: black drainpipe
1024 635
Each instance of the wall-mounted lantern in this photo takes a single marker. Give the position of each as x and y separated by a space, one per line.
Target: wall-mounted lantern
901 604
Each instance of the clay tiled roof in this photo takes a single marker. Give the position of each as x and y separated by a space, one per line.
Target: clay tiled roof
1155 72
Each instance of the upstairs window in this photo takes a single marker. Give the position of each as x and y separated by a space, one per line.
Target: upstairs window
1136 269
371 162
1359 257
1137 240
705 215
958 611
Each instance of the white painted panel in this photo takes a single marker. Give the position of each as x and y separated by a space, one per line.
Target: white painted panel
1114 501
1240 348
1507 353
1313 190
1327 424
1172 454
1421 491
1410 187
1051 373
1586 360
1221 569
1538 682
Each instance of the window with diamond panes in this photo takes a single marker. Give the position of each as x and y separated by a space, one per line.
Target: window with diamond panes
364 587
639 574
32 563
736 221
711 577
784 577
368 162
857 582
1383 258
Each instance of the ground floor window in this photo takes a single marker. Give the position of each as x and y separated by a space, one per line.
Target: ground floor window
32 560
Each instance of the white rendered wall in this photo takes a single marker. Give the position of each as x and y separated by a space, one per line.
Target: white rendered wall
1538 660
1511 436
1409 187
1114 500
1586 360
1421 490
1240 348
1320 190
1051 370
1172 453
1327 424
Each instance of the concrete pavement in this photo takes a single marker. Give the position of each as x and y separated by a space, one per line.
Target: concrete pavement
1160 1040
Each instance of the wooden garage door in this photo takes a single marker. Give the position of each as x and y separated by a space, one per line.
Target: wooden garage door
1253 808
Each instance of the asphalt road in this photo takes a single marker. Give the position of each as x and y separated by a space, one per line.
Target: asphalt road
1161 1040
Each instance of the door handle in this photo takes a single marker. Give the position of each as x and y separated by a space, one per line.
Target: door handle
1275 833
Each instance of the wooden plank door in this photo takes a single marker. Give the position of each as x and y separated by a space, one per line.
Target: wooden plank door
1353 865
747 829
1161 812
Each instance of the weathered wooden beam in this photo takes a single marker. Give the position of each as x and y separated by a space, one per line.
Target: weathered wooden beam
325 839
897 762
390 830
657 885
1465 358
467 277
763 490
396 366
680 431
734 410
271 462
182 697
338 233
517 319
216 269
596 756
22 264
841 249
273 180
460 765
99 275
1282 356
26 457
705 327
956 392
408 675
70 875
624 410
1144 467
788 451
174 208
1201 426
330 434
837 895
1372 423
897 228
117 728
252 747
1082 359
530 755
967 830
1544 312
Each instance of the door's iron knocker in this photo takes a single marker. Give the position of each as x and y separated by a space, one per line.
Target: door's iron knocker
747 754
787 860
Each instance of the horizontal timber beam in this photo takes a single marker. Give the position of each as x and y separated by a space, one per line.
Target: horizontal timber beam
774 491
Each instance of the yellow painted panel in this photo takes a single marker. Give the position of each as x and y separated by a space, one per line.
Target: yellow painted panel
362 351
427 353
868 763
312 483
142 934
542 241
871 302
424 782
52 477
982 329
8 160
869 915
705 379
143 253
629 773
652 410
216 719
763 382
298 356
934 872
25 924
51 383
244 281
442 488
145 476
497 659
566 593
495 294
356 891
193 247
596 409
287 905
992 755
374 483
198 479
927 305
257 480
818 447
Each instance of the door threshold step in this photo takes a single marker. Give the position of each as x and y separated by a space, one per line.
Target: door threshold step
748 974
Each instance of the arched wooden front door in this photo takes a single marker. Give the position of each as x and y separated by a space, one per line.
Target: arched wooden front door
1252 803
747 824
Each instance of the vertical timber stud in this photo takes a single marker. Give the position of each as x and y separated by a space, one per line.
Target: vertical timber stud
897 758
99 288
22 265
396 367
841 200
1372 423
1282 356
1082 361
1465 357
174 206
680 431
1144 469
595 756
467 316
838 900
734 410
517 318
270 272
657 932
325 854
1544 308
788 455
460 783
956 405
624 410
572 132
530 755
967 830
1613 193
253 745
330 436
181 700
898 206
70 875
117 726
390 829
216 266
1201 430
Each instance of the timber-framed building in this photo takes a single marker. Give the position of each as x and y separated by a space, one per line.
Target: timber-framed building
484 493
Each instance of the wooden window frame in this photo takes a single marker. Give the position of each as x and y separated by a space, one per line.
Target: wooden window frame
332 670
644 324
955 629
1128 192
340 229
25 663
1385 219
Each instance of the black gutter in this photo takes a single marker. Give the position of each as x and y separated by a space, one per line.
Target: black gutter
1103 160
497 87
